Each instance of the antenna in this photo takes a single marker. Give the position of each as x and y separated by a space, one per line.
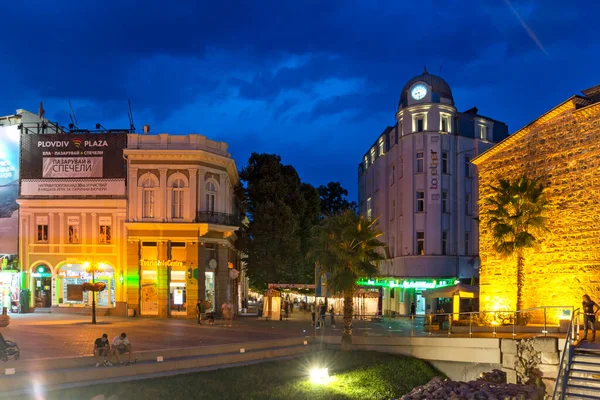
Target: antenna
73 117
130 115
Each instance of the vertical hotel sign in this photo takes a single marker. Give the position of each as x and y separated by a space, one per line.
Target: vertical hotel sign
434 179
72 164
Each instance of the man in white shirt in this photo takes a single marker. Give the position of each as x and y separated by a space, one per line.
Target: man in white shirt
121 345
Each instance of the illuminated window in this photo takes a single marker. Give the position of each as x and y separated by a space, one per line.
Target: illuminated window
444 202
210 196
105 236
369 210
467 167
444 163
381 146
467 243
420 201
483 132
149 184
42 233
420 123
73 230
372 155
445 123
444 243
177 201
420 243
366 162
468 204
420 165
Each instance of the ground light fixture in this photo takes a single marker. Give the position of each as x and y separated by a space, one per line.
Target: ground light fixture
319 376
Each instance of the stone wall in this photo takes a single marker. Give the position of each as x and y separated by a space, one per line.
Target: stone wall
526 360
563 148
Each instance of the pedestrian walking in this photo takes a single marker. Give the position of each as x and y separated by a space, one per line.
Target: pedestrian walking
199 311
589 316
413 309
312 311
332 315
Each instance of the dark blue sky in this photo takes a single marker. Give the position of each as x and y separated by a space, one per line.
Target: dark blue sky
313 81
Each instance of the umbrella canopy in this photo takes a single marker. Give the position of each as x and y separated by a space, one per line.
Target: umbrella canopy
466 291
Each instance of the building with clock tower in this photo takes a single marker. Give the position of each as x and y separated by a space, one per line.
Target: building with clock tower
418 181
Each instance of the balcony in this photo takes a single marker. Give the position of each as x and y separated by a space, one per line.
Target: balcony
218 218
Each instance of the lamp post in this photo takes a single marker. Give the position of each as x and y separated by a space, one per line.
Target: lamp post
92 268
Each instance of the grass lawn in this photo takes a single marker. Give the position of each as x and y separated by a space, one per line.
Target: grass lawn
355 375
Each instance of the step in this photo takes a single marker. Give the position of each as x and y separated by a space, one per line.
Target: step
574 396
590 366
584 371
22 381
591 390
591 382
587 356
46 364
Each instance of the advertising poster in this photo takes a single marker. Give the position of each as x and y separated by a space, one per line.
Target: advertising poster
9 188
434 177
73 164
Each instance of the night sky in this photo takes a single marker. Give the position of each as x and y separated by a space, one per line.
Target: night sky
313 81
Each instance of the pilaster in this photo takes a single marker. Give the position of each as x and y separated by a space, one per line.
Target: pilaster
162 201
192 200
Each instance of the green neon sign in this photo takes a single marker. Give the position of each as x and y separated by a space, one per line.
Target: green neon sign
407 283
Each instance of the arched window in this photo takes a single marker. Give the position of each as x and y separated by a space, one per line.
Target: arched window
177 204
211 196
149 184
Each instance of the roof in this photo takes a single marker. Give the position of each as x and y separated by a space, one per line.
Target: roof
438 86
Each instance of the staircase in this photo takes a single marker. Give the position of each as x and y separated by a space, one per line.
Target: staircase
584 374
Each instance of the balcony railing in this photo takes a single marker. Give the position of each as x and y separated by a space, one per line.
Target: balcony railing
218 218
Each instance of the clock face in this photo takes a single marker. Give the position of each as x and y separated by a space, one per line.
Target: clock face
419 91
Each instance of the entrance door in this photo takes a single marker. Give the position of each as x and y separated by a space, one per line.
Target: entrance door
420 303
42 287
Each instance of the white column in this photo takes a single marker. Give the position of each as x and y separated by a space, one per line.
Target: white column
191 198
162 194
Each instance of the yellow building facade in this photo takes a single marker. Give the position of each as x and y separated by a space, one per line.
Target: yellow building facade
563 148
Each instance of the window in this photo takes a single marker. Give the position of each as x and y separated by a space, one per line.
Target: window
444 202
369 210
483 132
467 243
393 209
445 123
420 243
420 167
444 163
177 201
372 155
42 229
381 146
73 224
148 192
393 174
468 204
419 123
366 162
420 201
444 243
467 167
401 132
211 196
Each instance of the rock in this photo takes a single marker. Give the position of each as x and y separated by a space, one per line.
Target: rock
550 358
546 344
508 346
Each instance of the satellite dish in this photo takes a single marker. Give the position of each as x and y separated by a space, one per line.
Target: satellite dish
146 129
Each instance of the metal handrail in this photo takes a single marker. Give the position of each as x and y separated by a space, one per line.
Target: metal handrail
564 368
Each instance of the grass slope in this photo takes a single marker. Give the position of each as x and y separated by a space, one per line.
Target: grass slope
356 375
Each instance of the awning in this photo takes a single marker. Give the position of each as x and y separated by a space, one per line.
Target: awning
465 291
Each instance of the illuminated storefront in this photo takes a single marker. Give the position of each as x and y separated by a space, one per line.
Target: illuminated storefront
10 284
71 277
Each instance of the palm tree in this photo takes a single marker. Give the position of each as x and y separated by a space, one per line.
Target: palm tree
516 219
346 248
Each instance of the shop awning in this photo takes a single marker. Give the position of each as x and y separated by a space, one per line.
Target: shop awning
462 290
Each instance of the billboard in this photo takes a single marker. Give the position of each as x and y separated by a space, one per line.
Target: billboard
434 179
9 188
73 164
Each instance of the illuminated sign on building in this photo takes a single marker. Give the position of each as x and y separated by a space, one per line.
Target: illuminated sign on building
420 284
161 263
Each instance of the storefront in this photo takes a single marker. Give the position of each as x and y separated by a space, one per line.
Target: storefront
41 279
71 277
10 284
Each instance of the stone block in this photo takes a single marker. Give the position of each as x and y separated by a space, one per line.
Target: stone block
550 358
508 346
545 344
549 385
508 360
511 375
548 371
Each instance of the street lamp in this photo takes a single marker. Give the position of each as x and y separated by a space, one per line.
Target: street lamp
93 268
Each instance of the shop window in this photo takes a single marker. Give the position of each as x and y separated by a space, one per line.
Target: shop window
178 293
420 165
73 227
211 196
177 201
42 229
105 233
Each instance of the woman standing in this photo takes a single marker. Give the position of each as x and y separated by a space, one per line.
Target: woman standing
589 316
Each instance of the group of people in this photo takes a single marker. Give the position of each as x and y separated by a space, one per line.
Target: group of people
318 314
227 311
119 346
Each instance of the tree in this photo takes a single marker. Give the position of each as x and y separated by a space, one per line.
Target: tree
333 199
280 211
516 219
346 248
